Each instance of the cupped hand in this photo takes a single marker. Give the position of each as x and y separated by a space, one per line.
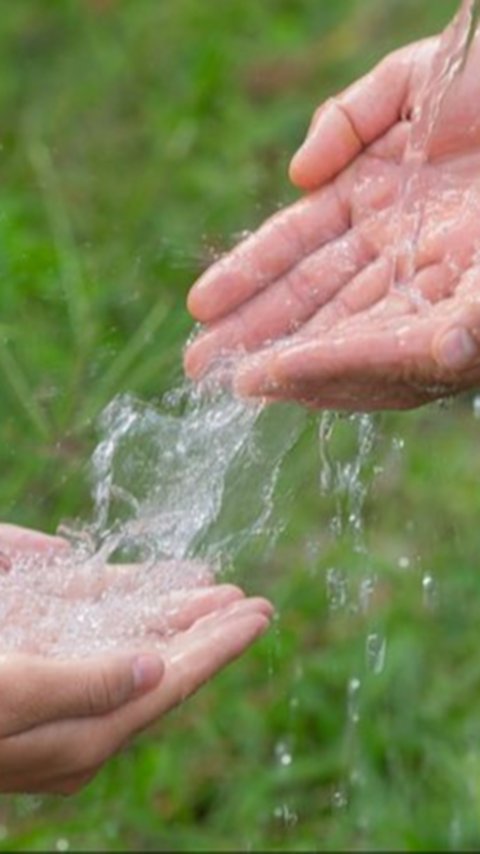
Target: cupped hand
365 294
62 719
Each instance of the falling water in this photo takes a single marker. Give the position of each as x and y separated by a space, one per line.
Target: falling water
179 488
448 62
348 479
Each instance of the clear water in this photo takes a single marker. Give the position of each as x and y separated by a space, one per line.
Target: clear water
448 63
179 488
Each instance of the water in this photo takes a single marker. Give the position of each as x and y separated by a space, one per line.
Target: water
179 488
448 62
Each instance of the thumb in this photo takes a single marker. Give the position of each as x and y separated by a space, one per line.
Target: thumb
456 348
343 126
36 690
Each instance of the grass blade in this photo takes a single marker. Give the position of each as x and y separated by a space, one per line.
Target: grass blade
18 382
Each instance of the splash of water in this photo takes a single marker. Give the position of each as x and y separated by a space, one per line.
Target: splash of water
179 489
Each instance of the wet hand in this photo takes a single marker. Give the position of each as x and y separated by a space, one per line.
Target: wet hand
336 303
61 720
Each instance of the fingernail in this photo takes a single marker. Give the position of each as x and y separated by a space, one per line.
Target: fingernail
263 626
457 348
147 672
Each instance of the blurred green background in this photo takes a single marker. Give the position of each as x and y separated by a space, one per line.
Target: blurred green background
137 139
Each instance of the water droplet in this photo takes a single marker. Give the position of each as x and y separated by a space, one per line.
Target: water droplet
429 591
366 593
286 815
339 799
353 704
404 562
376 651
283 754
337 588
62 844
335 526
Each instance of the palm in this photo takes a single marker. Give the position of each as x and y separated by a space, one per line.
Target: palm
61 720
70 610
336 306
51 606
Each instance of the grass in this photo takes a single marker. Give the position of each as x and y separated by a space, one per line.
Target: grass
137 139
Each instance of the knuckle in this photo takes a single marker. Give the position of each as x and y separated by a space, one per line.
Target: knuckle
299 284
103 693
289 231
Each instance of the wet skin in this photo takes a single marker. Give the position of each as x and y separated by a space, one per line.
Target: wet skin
364 294
61 719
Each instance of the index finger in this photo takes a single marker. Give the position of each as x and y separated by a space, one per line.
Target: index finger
194 657
345 125
278 245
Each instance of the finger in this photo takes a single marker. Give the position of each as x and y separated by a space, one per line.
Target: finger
75 749
364 291
92 581
365 308
36 690
17 542
428 355
344 126
364 395
194 657
185 575
278 245
56 756
287 304
379 304
456 335
173 575
373 296
178 611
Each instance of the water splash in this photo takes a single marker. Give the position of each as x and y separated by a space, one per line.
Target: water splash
178 487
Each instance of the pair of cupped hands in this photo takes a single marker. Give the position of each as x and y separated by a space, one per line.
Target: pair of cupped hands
318 306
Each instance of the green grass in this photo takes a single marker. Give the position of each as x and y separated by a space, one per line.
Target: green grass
137 138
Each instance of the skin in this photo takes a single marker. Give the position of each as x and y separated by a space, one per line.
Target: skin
365 293
62 718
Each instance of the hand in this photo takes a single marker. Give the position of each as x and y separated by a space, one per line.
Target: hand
349 299
60 720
